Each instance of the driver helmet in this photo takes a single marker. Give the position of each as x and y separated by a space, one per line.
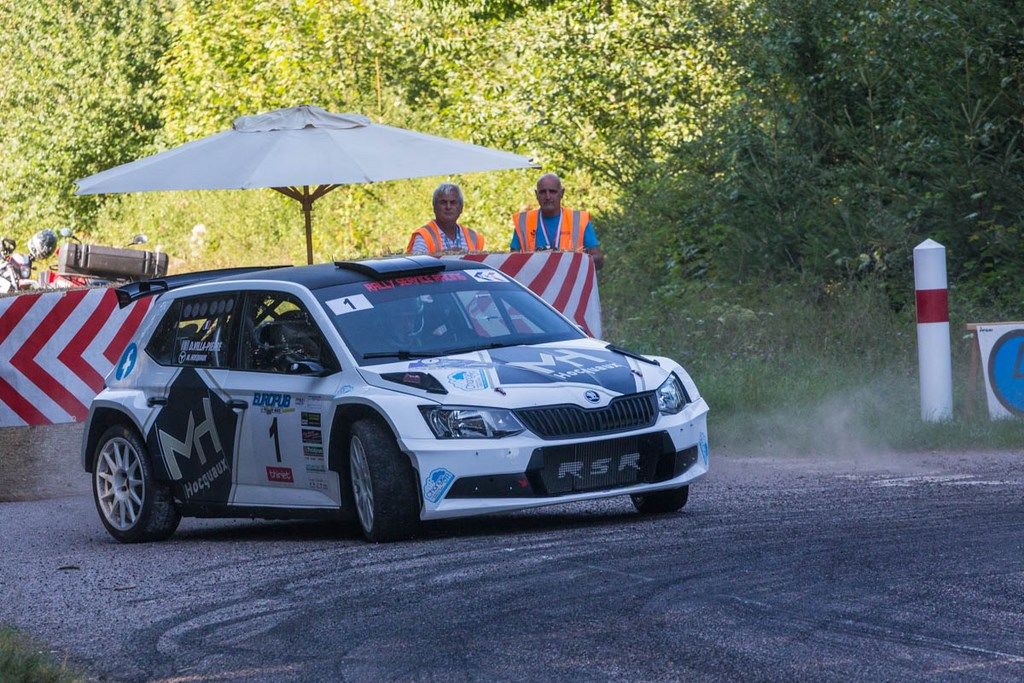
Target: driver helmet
406 319
42 244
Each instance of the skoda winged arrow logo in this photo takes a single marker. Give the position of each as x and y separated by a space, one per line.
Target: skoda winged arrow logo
592 396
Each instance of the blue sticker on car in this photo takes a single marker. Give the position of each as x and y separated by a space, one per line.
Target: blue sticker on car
702 446
126 363
437 484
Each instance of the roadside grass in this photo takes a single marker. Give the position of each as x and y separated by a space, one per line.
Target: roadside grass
834 373
22 662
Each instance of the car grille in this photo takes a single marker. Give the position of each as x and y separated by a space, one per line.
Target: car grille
623 413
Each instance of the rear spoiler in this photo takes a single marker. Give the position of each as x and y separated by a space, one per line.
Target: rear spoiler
133 291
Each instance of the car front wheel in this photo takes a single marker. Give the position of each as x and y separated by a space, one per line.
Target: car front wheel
658 502
133 505
383 484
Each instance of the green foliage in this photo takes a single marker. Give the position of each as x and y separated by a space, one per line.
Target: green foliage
78 93
21 661
761 166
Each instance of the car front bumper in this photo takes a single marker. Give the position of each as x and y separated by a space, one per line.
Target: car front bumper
462 477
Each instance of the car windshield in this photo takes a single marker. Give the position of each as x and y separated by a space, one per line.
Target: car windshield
421 316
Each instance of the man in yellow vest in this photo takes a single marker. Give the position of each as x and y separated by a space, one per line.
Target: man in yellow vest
444 232
554 227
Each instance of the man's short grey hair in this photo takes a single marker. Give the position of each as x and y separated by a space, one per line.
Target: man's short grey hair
448 188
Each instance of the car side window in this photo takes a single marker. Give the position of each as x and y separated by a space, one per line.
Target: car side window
279 335
197 332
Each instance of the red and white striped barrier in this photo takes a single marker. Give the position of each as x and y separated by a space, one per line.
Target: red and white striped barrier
933 347
566 280
56 348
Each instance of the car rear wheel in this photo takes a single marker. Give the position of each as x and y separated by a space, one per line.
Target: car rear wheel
659 502
133 505
383 484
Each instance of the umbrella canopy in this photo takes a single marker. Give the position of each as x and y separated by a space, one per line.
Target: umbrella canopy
295 149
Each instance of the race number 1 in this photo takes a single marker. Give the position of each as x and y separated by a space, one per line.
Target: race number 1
349 304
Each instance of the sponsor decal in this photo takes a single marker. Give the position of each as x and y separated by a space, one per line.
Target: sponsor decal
127 361
377 286
345 389
280 475
578 469
195 351
194 436
316 483
702 446
312 451
307 402
592 396
205 480
312 436
310 419
271 400
437 484
315 465
448 363
349 304
532 365
469 380
486 275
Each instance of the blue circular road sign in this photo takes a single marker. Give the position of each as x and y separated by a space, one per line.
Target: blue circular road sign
1006 371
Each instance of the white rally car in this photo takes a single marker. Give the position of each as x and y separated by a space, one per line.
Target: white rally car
393 391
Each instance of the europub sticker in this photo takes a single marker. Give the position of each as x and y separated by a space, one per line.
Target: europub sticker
702 446
437 484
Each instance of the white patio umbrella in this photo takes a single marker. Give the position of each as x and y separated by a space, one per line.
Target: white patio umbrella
302 152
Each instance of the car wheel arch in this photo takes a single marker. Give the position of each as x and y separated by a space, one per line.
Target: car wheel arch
346 415
102 419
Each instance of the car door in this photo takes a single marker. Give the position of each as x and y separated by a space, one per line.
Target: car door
195 423
286 376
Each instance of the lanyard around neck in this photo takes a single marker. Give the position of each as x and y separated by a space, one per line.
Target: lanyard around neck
544 227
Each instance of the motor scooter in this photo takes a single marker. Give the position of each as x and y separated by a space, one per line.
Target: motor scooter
16 268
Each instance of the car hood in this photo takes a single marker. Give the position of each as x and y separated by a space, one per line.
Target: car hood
580 371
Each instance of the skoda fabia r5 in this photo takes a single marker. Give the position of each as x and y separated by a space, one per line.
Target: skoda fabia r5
389 391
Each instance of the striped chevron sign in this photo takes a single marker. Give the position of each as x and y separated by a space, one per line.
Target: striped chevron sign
566 280
55 350
57 347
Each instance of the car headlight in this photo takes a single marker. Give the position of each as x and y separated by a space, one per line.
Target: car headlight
471 423
671 395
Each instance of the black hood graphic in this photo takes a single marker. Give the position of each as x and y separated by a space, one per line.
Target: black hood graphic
533 365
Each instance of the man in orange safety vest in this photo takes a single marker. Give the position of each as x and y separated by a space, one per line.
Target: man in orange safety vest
554 227
444 232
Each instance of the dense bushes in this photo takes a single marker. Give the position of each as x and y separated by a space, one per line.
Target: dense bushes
719 143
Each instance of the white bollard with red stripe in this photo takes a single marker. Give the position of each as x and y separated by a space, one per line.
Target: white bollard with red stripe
933 349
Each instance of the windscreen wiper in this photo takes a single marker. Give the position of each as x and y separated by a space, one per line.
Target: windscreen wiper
402 354
631 354
476 347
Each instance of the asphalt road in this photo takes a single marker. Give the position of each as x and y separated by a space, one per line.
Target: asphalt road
891 568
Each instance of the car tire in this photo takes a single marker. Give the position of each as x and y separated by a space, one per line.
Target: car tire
660 502
133 506
383 484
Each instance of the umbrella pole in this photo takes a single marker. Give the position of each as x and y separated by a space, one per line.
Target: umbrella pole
307 212
306 198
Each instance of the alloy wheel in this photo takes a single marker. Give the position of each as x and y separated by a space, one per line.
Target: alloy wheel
119 484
